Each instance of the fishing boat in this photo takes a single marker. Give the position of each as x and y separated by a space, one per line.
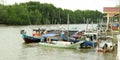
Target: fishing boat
89 37
87 44
88 40
59 41
60 44
29 39
106 46
46 36
63 40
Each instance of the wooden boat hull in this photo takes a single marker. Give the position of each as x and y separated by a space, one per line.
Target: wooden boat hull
107 50
30 39
27 40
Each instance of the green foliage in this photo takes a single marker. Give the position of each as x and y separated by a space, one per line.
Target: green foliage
36 13
35 17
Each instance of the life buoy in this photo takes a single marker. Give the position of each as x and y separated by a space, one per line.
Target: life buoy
48 40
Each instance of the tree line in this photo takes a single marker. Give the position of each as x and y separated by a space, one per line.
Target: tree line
36 13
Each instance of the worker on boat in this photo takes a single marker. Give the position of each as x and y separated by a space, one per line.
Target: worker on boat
79 34
36 33
63 36
87 38
91 38
43 38
98 42
105 47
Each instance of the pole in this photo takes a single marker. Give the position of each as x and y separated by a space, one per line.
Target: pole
68 26
86 26
92 34
119 16
60 17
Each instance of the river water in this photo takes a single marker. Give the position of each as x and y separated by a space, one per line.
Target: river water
12 47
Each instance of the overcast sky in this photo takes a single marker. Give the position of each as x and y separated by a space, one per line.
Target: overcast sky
75 4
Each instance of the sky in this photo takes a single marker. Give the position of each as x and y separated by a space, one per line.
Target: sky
74 4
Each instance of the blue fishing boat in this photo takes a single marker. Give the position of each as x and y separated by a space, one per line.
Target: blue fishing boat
88 40
29 39
87 44
106 45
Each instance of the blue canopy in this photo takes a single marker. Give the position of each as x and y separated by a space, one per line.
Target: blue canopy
116 25
46 35
88 43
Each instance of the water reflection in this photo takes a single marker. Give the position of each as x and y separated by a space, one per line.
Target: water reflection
28 52
35 52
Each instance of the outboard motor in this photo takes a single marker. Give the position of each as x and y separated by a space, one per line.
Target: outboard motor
22 32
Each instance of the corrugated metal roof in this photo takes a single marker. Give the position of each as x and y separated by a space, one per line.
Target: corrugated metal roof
111 9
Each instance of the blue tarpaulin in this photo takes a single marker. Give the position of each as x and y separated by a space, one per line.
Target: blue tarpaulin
46 35
88 43
116 25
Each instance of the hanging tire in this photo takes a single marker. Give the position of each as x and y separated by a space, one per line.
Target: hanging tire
48 40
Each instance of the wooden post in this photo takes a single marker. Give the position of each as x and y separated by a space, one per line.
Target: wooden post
119 16
108 18
87 26
68 27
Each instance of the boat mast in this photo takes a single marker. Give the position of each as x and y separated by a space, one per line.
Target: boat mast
87 26
119 16
68 26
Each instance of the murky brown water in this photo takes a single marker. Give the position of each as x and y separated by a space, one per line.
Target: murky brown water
12 47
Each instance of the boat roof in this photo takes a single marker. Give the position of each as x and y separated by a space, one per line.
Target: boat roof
90 33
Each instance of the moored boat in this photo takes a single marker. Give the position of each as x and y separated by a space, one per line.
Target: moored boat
60 41
29 39
88 40
88 44
43 36
60 44
106 45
